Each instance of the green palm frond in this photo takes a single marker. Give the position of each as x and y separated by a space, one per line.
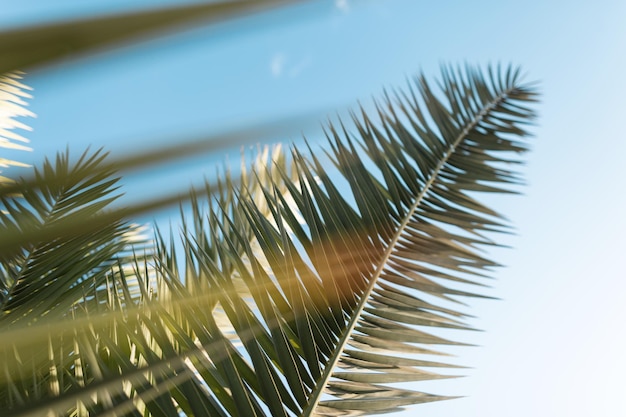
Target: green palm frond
43 279
307 288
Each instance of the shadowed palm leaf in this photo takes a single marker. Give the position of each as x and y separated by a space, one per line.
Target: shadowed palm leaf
45 279
307 287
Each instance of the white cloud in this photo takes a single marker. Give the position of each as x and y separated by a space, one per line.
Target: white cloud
277 64
303 64
342 5
281 66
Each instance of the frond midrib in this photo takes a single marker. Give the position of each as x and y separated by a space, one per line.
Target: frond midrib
316 394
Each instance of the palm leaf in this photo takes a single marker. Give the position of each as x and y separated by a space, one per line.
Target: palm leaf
360 273
45 278
344 270
42 44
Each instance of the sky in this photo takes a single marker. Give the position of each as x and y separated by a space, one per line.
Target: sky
554 344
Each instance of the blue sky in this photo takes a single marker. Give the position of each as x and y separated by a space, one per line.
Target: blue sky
554 346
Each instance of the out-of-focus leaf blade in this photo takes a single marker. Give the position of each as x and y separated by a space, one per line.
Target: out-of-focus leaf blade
42 44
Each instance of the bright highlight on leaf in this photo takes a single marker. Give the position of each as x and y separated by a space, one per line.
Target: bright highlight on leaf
12 106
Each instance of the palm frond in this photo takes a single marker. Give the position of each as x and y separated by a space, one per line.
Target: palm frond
45 278
355 287
308 289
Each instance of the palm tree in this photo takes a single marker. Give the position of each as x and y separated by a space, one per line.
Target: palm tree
296 289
